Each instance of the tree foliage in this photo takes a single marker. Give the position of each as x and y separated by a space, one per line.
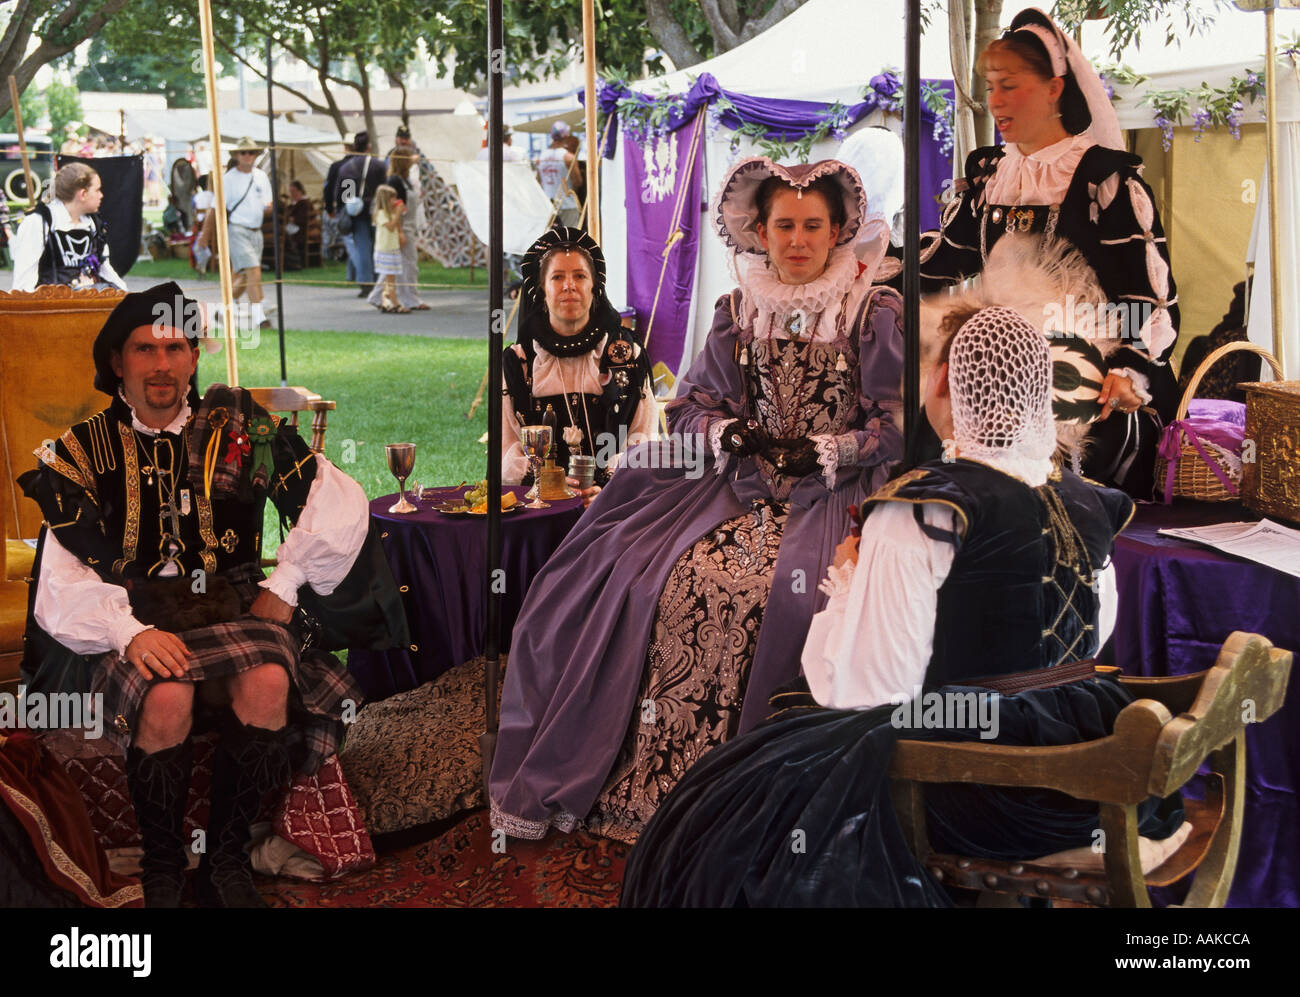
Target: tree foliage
111 69
57 27
32 103
63 105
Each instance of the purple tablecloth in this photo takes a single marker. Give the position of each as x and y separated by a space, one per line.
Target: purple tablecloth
1178 602
440 564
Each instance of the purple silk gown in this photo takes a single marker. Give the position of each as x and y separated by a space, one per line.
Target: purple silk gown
579 647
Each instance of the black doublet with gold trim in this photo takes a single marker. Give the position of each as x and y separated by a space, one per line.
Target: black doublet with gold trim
103 493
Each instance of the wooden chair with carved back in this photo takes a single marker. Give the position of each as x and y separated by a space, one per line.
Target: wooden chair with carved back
1159 742
295 400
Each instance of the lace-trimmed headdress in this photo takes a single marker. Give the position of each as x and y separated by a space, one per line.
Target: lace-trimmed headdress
735 209
1084 104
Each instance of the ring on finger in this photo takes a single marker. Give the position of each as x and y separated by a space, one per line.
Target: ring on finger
1114 403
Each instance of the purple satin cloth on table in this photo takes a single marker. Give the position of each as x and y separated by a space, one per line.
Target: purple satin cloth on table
1178 602
440 564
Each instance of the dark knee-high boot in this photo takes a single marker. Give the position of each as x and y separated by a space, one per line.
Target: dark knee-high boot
160 785
248 763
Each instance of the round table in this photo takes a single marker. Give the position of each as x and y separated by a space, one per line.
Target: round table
440 564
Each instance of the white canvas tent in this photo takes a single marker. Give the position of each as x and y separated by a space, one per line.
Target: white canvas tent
827 51
1215 208
302 152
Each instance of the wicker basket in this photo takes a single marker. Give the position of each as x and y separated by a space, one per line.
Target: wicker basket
1270 484
1193 477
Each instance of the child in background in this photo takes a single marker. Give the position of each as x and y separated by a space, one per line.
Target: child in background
388 211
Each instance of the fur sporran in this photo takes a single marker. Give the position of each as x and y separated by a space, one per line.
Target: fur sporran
171 604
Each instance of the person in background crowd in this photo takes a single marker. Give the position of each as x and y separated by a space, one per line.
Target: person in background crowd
557 172
64 241
399 173
358 179
388 245
201 251
297 218
248 200
404 143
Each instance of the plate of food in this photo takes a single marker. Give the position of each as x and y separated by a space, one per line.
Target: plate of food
509 503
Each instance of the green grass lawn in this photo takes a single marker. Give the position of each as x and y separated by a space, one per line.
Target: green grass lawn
431 273
389 389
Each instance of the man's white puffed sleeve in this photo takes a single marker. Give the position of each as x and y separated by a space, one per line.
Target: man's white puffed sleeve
79 609
320 550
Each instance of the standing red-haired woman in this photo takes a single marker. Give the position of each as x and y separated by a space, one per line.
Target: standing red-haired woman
1061 204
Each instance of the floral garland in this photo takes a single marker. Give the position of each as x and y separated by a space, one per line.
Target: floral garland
646 116
886 89
1207 106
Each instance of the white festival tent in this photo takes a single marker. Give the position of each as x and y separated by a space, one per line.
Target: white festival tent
182 127
1234 44
827 50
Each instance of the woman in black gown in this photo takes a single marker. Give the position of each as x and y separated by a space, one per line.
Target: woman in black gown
1062 203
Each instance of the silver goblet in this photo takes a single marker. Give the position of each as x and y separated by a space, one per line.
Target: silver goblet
536 443
401 461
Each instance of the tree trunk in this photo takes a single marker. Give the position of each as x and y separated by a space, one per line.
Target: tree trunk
963 120
364 90
726 37
670 35
13 46
988 15
20 30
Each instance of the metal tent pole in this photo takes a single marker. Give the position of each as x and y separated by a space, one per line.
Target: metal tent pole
912 227
275 216
496 344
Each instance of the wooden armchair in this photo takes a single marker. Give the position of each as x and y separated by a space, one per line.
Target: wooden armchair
293 401
1159 742
13 620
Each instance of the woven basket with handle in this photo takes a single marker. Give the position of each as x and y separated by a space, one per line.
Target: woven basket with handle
1193 477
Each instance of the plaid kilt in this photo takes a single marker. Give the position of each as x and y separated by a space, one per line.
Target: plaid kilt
319 686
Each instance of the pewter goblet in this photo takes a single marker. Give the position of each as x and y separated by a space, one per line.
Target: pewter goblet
401 461
536 443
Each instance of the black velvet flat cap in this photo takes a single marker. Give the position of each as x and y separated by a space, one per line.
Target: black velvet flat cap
162 306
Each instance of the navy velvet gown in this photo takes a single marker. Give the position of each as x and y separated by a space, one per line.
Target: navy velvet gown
798 811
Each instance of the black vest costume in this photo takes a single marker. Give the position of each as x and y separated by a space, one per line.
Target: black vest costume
66 255
599 417
104 487
1007 605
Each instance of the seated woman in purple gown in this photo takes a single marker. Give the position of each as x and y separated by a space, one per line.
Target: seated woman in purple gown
680 601
969 570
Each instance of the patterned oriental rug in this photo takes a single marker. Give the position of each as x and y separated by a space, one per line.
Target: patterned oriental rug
460 869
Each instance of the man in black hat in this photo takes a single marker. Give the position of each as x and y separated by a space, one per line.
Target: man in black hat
404 143
149 592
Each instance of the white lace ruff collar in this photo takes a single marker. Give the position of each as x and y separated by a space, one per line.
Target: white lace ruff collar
174 427
764 291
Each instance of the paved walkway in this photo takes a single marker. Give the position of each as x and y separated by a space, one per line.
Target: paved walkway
459 313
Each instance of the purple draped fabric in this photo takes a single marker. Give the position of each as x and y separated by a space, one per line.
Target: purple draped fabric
660 175
580 643
790 120
781 120
440 564
1178 602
